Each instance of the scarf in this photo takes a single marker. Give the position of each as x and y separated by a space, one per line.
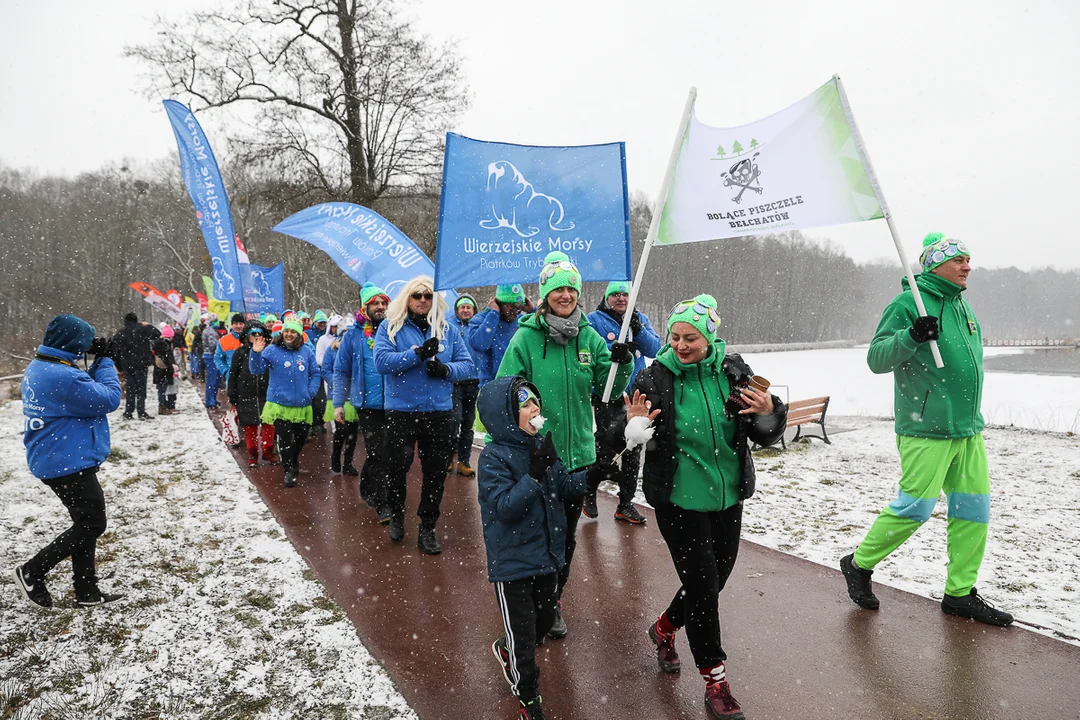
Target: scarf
419 321
562 329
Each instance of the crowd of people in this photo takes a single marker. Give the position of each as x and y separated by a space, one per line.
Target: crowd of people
410 373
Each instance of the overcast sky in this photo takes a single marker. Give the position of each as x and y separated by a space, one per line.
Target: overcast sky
969 108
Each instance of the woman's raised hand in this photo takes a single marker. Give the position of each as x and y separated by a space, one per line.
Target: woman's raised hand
639 407
760 402
258 343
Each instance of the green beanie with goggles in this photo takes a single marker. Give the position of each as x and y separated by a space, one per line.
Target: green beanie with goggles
699 312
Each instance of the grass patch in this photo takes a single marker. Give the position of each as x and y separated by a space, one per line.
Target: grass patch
117 454
263 601
153 446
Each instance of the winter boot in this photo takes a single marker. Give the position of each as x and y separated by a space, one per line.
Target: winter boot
290 478
465 470
588 507
96 597
859 588
502 654
532 709
666 657
718 699
253 459
385 515
349 470
397 528
976 608
426 540
335 464
33 589
628 513
272 458
558 629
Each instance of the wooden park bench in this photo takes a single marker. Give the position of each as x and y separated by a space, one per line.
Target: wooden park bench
807 412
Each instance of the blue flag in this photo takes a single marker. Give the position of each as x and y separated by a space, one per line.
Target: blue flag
504 207
364 244
264 288
203 182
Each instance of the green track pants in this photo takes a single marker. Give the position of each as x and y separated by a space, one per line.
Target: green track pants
927 468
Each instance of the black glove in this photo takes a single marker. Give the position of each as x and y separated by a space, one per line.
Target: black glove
635 323
620 353
429 349
925 328
436 368
100 347
542 456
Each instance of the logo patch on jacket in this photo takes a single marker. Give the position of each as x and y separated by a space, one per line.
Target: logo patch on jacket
584 357
971 327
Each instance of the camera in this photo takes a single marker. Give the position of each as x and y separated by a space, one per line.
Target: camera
100 347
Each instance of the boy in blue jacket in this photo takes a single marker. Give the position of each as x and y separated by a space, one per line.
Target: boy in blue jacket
67 437
522 486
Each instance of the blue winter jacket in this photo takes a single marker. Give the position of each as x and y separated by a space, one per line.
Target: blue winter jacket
524 521
66 408
408 386
326 370
648 342
294 374
489 339
355 377
465 331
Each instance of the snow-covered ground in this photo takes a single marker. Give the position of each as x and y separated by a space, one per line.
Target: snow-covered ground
221 619
1035 402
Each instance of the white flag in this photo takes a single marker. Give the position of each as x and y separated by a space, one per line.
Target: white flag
797 168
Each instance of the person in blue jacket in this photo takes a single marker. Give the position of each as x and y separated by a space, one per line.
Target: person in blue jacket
66 434
294 380
644 342
463 322
421 360
494 328
522 488
357 399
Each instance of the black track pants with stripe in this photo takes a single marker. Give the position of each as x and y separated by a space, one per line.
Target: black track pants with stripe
527 607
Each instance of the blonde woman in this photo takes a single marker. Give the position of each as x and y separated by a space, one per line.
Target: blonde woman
421 360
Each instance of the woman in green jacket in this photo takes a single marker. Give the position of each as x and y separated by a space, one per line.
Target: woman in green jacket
698 470
558 351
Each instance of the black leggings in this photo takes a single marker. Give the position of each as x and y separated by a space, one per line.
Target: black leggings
703 546
344 439
291 437
373 477
82 496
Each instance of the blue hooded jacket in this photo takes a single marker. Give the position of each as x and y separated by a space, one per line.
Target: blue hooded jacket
647 341
465 331
523 518
355 377
408 386
294 374
66 408
223 355
489 339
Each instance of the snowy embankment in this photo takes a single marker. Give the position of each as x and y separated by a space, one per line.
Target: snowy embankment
221 619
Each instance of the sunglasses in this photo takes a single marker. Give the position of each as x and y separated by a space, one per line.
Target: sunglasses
421 296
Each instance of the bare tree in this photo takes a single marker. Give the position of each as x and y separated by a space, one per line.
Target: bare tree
349 100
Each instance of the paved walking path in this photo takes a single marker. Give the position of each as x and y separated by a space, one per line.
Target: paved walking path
797 647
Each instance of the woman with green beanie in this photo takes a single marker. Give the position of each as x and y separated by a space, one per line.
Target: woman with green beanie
294 380
698 471
557 350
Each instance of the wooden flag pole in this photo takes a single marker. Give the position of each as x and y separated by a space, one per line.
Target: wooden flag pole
869 168
654 227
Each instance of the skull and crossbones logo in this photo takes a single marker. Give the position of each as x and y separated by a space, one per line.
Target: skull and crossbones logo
743 175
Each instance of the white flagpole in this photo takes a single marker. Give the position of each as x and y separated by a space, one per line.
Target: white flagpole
654 227
869 168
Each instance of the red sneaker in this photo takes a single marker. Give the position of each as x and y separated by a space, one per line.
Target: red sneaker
720 704
272 459
666 657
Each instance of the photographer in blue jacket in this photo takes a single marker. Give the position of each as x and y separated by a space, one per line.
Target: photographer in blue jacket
66 436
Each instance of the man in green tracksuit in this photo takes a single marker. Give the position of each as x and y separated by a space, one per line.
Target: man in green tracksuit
938 427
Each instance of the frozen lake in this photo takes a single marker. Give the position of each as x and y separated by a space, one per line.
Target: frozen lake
1026 400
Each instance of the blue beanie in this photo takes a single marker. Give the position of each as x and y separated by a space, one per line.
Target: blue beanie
69 333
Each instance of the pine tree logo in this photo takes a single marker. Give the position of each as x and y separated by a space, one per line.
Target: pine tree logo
737 149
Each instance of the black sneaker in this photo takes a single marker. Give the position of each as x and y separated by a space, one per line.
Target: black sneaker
290 478
588 508
532 709
335 465
397 529
974 607
385 515
629 513
33 589
96 598
558 630
859 588
502 654
127 416
426 540
146 417
348 469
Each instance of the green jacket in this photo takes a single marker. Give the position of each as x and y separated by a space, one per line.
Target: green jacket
928 402
707 466
566 376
